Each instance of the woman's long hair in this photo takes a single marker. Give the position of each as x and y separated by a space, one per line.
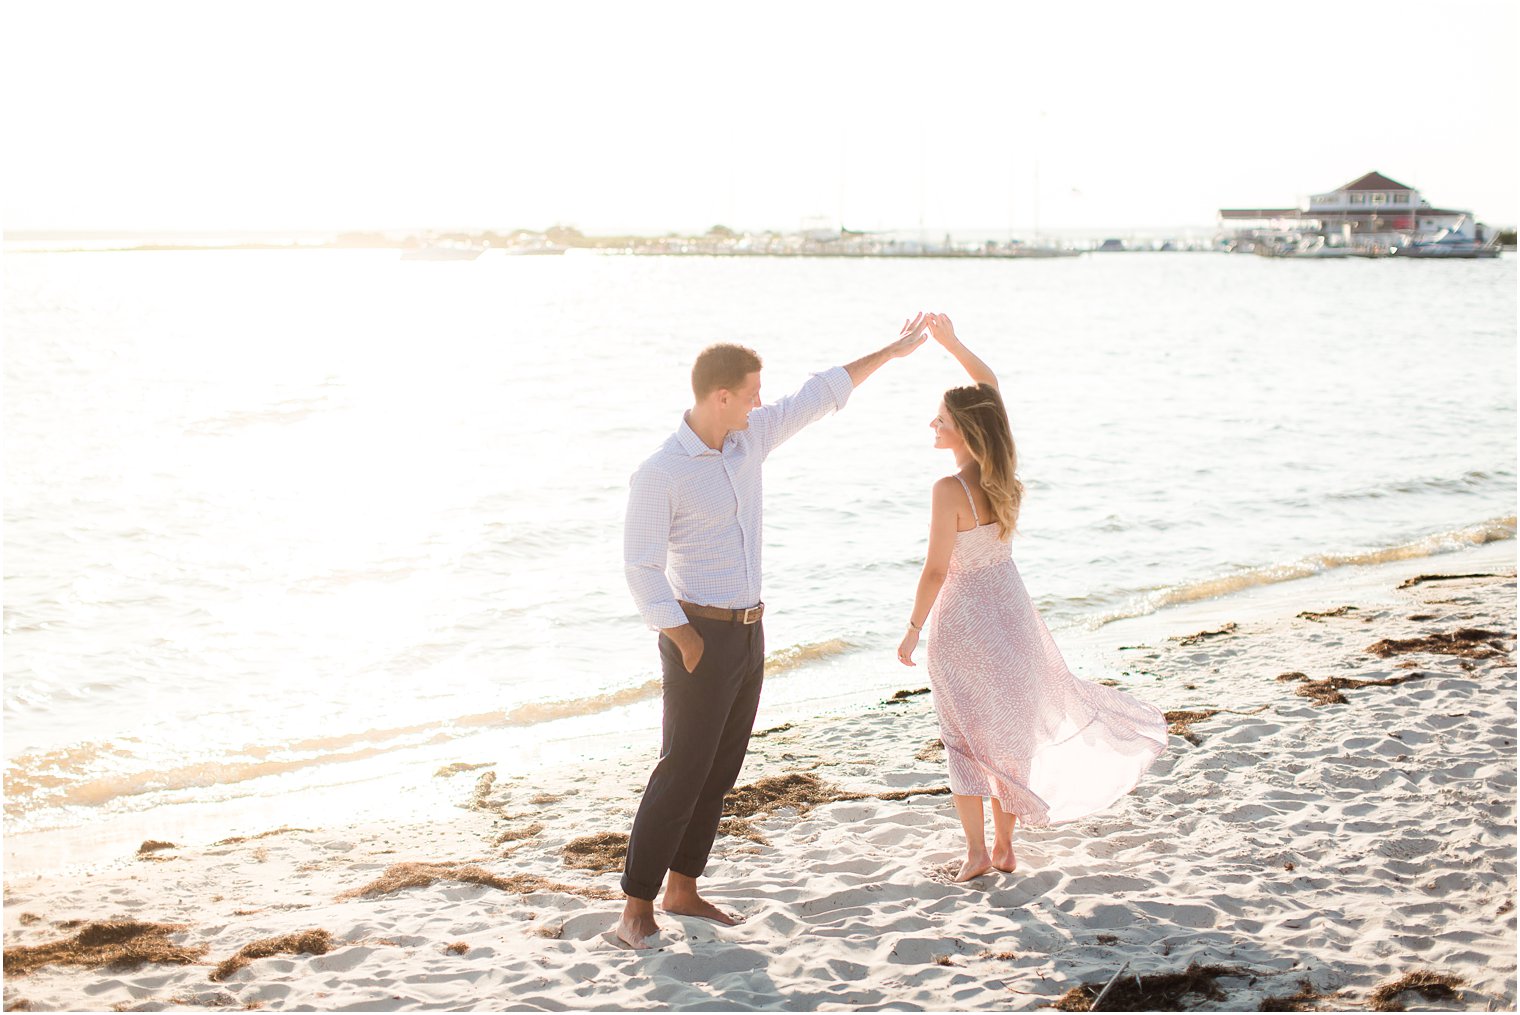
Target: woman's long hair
983 423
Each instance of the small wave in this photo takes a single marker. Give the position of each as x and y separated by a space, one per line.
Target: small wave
73 776
547 711
1468 481
793 656
1492 530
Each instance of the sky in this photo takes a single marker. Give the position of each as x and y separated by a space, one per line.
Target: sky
652 117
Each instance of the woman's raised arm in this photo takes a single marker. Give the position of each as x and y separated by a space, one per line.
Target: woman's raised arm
944 333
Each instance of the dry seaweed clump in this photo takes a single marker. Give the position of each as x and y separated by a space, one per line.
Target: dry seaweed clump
774 729
482 791
905 694
1423 578
1150 992
795 789
116 944
1307 999
516 834
1432 986
1467 642
262 835
307 942
153 846
601 852
457 948
1180 721
933 750
741 829
1203 636
460 766
1339 611
1328 691
419 875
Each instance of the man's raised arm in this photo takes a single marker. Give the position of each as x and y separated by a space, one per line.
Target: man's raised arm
828 391
913 334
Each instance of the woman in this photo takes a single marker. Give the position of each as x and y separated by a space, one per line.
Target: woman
1017 726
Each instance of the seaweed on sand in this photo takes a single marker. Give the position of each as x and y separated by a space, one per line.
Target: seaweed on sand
420 875
1328 691
1180 721
1432 986
307 942
742 829
1319 617
1467 642
601 852
116 944
795 789
1423 578
1203 636
1307 999
1151 991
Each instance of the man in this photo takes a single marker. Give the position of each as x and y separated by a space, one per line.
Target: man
691 552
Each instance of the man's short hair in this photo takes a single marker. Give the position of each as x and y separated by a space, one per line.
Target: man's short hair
724 365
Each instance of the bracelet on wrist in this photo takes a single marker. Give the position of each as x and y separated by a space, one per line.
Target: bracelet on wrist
915 627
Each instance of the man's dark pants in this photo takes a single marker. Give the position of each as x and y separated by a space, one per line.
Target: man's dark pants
709 715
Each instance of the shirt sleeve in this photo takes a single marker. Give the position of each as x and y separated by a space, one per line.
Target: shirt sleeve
819 395
646 538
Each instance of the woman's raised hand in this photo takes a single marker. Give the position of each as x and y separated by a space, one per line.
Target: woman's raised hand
943 331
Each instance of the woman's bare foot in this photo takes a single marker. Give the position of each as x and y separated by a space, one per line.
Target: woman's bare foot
973 867
695 905
1003 859
637 925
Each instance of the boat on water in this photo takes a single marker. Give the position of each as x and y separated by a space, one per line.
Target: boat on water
442 252
1372 216
547 248
1451 244
1311 245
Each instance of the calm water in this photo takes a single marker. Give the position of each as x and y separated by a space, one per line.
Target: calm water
276 520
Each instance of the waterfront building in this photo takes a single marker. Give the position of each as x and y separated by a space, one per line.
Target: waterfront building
1370 211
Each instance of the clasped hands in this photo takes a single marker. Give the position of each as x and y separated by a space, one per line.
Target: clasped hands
917 331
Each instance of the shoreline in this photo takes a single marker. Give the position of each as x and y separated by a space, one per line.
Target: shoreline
409 792
1297 844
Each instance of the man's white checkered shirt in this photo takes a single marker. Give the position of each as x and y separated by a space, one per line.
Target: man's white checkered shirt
693 530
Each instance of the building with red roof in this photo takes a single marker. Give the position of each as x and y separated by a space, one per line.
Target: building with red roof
1372 210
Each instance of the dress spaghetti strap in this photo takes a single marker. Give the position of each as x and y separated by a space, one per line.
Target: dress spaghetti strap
974 517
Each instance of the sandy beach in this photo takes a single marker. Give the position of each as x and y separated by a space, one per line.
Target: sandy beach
1335 812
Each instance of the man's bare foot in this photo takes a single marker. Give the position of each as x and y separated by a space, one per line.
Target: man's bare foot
695 905
1004 859
637 926
974 867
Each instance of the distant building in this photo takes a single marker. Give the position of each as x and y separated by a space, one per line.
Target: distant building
1371 209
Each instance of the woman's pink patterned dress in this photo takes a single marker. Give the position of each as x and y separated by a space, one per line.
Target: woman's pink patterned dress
1017 725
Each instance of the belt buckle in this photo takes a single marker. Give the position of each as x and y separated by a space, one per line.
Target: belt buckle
756 610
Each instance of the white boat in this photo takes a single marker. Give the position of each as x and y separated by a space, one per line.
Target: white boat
1310 245
1316 246
442 252
1450 244
547 248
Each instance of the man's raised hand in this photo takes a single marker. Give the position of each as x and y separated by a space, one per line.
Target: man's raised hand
914 333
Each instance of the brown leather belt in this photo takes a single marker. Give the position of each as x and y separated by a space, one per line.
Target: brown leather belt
749 616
